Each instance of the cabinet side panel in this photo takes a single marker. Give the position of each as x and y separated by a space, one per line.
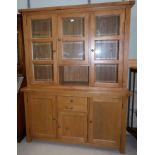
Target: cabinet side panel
126 47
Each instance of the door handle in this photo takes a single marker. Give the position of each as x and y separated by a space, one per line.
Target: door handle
68 108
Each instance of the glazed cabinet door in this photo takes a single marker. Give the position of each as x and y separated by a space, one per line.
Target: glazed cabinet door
105 121
72 126
73 38
107 34
41 49
42 116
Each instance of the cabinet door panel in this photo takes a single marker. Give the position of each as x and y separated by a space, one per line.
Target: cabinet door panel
73 26
41 28
42 117
42 51
73 38
43 72
72 126
106 73
107 34
107 25
105 122
106 50
73 50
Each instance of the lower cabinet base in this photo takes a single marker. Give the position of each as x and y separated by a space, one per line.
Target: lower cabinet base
97 120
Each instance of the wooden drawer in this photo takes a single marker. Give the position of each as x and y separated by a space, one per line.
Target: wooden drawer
70 103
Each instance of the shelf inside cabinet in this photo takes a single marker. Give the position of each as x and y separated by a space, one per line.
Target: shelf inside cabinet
74 75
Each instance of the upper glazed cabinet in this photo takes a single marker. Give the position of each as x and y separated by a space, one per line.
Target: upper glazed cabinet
77 48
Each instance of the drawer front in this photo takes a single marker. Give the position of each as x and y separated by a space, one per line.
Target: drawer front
72 103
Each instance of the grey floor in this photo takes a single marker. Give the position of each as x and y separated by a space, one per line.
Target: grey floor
51 148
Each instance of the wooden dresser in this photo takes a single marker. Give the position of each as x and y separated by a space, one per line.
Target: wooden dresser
77 69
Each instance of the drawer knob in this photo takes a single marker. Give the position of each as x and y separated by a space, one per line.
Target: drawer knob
71 100
90 121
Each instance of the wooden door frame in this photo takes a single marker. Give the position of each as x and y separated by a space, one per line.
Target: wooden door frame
119 37
60 123
28 102
28 48
62 38
106 143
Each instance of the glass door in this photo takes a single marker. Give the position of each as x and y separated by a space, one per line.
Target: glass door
107 31
73 39
42 49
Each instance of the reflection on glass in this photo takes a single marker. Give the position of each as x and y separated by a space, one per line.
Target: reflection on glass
42 51
41 28
73 26
107 25
43 72
106 50
73 50
106 73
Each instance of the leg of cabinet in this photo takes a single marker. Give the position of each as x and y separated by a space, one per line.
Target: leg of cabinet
28 135
123 125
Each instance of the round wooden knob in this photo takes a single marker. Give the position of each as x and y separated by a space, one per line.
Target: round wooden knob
71 100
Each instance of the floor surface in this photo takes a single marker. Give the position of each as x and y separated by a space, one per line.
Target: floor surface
52 148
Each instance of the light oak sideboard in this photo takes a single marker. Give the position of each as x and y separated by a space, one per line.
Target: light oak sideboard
77 69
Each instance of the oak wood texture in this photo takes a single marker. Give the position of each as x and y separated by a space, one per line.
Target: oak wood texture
105 116
72 126
95 38
73 38
30 40
79 103
70 103
132 63
42 116
83 7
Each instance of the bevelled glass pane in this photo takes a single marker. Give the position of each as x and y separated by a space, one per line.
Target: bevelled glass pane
43 72
107 50
106 73
41 28
42 51
73 26
74 50
107 25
